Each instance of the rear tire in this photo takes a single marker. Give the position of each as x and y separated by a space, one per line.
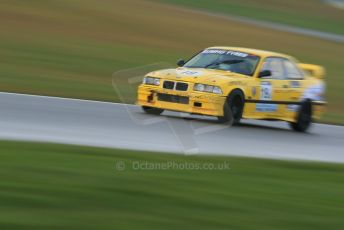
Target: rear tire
304 117
233 108
151 110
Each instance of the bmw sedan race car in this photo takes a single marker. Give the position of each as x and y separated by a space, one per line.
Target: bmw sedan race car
234 83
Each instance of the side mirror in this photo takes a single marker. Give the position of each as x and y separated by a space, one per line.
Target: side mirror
180 63
265 73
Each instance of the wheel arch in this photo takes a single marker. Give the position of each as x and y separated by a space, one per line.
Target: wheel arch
233 115
307 101
239 90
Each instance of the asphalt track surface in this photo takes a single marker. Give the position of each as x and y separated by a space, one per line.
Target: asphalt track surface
102 124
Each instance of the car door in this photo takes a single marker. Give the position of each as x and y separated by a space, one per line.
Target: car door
272 89
296 82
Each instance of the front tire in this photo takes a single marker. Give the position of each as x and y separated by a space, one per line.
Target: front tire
151 110
233 108
304 118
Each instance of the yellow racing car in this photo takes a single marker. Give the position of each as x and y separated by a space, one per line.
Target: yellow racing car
232 83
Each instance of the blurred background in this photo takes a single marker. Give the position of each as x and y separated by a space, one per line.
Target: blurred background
70 48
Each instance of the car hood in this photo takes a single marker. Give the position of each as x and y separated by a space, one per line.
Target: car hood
197 75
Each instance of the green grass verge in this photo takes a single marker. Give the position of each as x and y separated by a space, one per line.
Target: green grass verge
70 69
312 14
46 186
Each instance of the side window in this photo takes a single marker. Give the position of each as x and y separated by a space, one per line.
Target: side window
275 65
292 71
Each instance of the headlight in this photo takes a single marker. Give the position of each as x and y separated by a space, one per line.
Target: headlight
207 88
217 90
151 81
199 87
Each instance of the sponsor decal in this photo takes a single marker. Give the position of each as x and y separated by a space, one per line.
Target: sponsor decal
265 91
184 73
262 107
254 91
266 95
226 52
315 92
292 107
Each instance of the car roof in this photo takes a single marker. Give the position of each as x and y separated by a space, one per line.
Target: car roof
262 53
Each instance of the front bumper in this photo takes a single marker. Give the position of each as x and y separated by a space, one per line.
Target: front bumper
188 102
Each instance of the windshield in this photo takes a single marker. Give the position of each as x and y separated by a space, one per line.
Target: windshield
227 60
